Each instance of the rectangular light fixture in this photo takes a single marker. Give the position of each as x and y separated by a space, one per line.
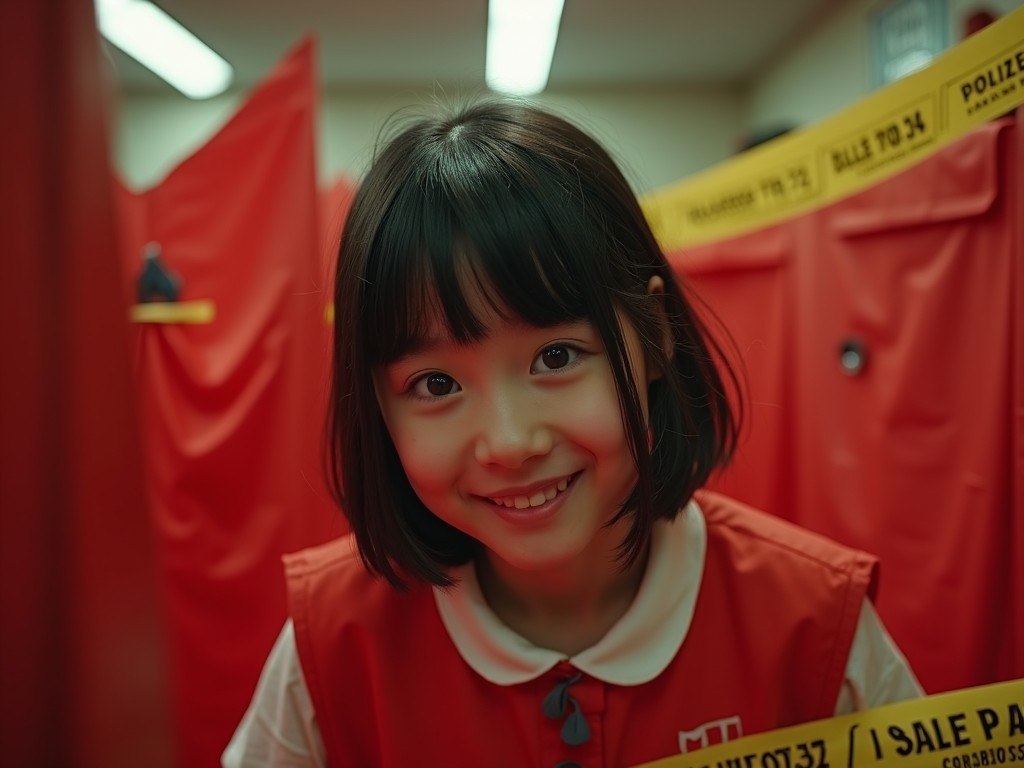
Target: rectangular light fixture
155 40
521 36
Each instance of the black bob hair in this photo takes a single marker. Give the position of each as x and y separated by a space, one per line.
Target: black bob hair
548 229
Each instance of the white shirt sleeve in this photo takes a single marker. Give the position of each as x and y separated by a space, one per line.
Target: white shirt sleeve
876 671
279 729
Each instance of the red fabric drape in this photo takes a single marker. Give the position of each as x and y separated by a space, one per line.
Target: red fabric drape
745 283
335 200
81 654
917 456
232 409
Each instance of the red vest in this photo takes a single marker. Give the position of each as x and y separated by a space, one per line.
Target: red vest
767 647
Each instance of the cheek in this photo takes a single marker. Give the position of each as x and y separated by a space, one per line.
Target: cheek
428 460
424 449
594 421
605 435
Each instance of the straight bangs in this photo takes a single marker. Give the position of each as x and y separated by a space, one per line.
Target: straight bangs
448 253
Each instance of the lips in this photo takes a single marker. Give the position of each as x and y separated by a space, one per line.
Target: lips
536 498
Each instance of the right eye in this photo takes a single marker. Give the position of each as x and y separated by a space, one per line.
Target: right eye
434 385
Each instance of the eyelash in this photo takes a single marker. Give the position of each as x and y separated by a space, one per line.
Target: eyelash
574 357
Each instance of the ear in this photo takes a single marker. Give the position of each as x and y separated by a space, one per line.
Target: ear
656 288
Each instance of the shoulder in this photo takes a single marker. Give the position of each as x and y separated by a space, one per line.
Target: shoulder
338 553
330 586
752 534
334 567
803 592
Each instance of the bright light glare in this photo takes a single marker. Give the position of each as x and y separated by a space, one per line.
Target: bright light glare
521 37
157 41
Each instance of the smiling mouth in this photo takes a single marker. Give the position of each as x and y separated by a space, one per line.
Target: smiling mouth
539 497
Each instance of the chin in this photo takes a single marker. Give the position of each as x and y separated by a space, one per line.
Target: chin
538 560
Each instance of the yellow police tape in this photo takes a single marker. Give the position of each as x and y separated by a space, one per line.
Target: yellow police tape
971 728
889 130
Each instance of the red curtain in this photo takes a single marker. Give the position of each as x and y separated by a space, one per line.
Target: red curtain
917 454
232 409
335 200
82 673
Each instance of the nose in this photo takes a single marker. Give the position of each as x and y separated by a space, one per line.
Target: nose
511 430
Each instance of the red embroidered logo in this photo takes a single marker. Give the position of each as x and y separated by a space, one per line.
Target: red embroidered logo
711 733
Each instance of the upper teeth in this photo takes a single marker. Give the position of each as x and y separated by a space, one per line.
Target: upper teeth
538 498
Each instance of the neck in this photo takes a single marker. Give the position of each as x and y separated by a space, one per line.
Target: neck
566 609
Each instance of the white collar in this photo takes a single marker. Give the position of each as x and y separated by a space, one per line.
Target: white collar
637 649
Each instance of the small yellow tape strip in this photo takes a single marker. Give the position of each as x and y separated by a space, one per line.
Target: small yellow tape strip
971 728
884 133
198 312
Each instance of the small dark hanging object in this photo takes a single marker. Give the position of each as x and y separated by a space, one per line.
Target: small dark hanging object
575 730
557 700
156 282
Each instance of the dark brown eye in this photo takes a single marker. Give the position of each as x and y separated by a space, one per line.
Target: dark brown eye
439 385
555 357
434 385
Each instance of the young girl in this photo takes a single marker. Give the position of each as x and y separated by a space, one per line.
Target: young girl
524 408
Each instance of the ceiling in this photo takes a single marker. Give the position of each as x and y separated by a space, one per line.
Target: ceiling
375 44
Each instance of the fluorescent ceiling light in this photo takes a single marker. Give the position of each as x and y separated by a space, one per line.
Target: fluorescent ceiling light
157 41
521 37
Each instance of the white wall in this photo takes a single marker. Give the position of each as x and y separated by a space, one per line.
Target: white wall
152 134
658 135
827 69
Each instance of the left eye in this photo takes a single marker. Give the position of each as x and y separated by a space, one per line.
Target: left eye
554 358
435 385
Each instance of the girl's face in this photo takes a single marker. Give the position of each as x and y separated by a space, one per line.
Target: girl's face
517 440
